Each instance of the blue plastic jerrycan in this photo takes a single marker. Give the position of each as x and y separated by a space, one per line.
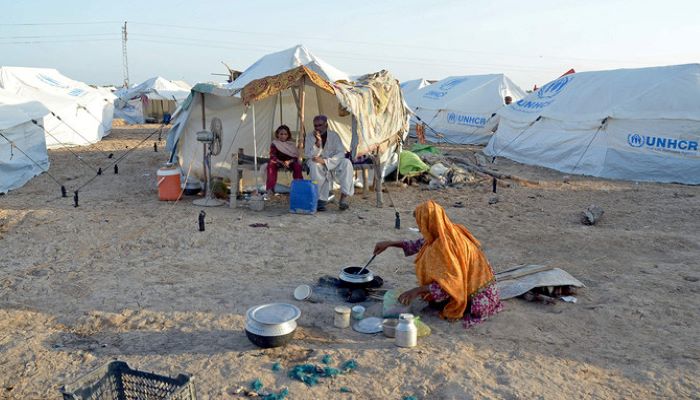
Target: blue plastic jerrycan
303 197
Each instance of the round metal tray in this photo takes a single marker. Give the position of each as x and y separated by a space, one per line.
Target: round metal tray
274 313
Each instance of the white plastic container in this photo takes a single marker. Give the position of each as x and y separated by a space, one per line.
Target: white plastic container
406 331
342 317
358 312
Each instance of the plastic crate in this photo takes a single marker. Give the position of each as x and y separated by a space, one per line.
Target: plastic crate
116 381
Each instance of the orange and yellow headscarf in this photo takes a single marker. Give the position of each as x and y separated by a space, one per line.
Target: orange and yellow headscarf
451 257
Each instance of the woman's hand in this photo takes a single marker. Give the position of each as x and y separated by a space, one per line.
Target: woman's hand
381 246
408 296
319 160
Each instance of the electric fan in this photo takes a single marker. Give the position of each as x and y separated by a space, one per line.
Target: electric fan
211 142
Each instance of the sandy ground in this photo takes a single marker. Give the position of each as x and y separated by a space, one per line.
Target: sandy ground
126 276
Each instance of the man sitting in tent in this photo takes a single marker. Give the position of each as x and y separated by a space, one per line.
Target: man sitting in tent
325 153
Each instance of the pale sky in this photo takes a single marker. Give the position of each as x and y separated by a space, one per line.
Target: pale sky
532 42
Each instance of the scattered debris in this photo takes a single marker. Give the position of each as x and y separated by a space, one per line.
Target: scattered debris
345 389
276 367
569 299
530 296
591 215
493 199
259 225
256 385
310 373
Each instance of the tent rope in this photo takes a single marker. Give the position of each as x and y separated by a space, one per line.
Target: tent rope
497 153
58 117
102 124
67 147
116 161
603 124
13 145
235 135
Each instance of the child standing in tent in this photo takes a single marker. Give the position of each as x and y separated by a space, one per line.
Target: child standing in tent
283 154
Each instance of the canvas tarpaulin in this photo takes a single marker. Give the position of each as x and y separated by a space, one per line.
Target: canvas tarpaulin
265 87
376 102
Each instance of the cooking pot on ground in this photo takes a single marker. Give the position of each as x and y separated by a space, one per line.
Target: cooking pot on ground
351 279
271 325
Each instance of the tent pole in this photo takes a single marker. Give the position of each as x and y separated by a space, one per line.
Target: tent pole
280 99
399 148
204 154
302 128
378 178
255 150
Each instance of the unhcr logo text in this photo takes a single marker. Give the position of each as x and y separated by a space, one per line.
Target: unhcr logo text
662 143
468 120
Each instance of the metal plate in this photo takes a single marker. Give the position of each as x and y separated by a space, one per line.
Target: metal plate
368 325
274 313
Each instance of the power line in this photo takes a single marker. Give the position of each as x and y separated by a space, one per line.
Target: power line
63 23
61 41
53 36
374 43
363 57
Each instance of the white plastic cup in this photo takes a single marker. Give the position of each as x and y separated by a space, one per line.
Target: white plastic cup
358 312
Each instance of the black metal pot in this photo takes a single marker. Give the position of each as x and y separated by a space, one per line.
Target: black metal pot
267 342
349 278
269 335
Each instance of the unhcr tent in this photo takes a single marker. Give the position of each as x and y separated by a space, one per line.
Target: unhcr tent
635 124
411 89
289 87
78 114
462 109
22 143
151 99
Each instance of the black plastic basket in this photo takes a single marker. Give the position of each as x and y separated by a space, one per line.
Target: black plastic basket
116 381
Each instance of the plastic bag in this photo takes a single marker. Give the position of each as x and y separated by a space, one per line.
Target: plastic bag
392 308
422 327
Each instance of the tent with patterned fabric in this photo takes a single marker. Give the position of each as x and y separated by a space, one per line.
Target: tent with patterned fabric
289 87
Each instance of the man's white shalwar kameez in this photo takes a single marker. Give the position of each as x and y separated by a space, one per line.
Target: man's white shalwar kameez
333 153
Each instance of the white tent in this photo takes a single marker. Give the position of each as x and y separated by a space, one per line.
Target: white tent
368 115
634 124
78 114
411 89
461 109
151 98
22 144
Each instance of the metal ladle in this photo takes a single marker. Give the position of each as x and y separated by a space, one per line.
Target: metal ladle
365 267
